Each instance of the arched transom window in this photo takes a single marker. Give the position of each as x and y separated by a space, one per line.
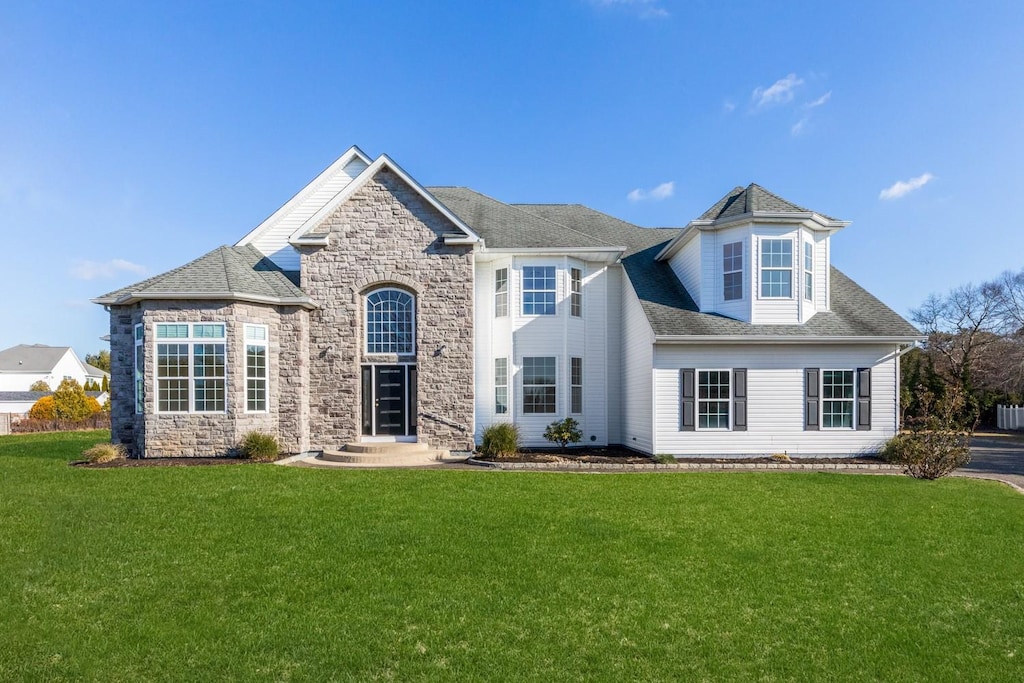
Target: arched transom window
390 322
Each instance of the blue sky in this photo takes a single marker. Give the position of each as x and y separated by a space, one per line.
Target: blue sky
137 136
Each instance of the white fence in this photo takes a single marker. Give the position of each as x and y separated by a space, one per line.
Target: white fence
5 423
1010 417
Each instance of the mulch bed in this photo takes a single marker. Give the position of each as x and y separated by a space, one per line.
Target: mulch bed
626 456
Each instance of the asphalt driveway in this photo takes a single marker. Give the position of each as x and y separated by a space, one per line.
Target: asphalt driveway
996 455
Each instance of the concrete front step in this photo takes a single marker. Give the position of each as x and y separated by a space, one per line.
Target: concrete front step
387 455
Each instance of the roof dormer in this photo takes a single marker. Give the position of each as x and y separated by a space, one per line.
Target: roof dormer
756 257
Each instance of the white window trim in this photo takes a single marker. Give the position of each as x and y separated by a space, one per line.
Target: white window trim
808 252
501 296
503 384
853 400
265 343
698 400
725 272
573 386
575 292
523 292
190 341
522 370
761 269
138 378
366 322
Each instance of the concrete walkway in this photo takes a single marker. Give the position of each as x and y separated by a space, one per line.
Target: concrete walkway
996 455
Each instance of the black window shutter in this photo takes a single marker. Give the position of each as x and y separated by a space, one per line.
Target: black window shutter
864 399
811 399
739 399
688 399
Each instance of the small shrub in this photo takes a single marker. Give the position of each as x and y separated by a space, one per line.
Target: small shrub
71 403
43 409
259 446
781 457
500 440
104 452
665 459
563 432
937 442
40 385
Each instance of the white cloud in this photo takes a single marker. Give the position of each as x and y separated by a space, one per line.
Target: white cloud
728 107
779 92
820 101
645 9
798 127
663 191
95 270
902 187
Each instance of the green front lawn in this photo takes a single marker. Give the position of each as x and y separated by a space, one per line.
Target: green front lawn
259 572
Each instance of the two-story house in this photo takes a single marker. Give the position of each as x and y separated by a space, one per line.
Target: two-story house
371 308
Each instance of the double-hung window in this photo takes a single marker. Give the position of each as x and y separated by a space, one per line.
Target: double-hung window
500 386
500 292
777 268
713 395
190 367
575 292
256 368
808 271
538 290
732 271
539 375
576 385
837 396
140 355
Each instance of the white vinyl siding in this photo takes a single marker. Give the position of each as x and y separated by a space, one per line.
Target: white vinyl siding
774 398
273 240
638 357
561 335
686 264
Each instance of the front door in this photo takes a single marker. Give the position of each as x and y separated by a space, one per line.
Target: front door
388 401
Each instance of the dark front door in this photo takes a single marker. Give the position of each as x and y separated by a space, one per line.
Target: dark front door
391 400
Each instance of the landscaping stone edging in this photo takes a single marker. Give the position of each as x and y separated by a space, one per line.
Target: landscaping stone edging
658 467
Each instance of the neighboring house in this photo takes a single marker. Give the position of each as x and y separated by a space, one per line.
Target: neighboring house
371 308
20 402
23 365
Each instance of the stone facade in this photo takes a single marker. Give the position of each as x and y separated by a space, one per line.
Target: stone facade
154 434
386 234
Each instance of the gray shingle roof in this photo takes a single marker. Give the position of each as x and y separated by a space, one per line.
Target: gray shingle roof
238 272
36 395
508 226
753 197
31 358
671 310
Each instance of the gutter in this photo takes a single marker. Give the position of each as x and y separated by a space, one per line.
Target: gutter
778 339
134 297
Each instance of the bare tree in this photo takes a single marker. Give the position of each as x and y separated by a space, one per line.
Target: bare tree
960 326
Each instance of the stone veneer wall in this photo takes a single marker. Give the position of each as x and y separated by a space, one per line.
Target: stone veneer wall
386 234
152 434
